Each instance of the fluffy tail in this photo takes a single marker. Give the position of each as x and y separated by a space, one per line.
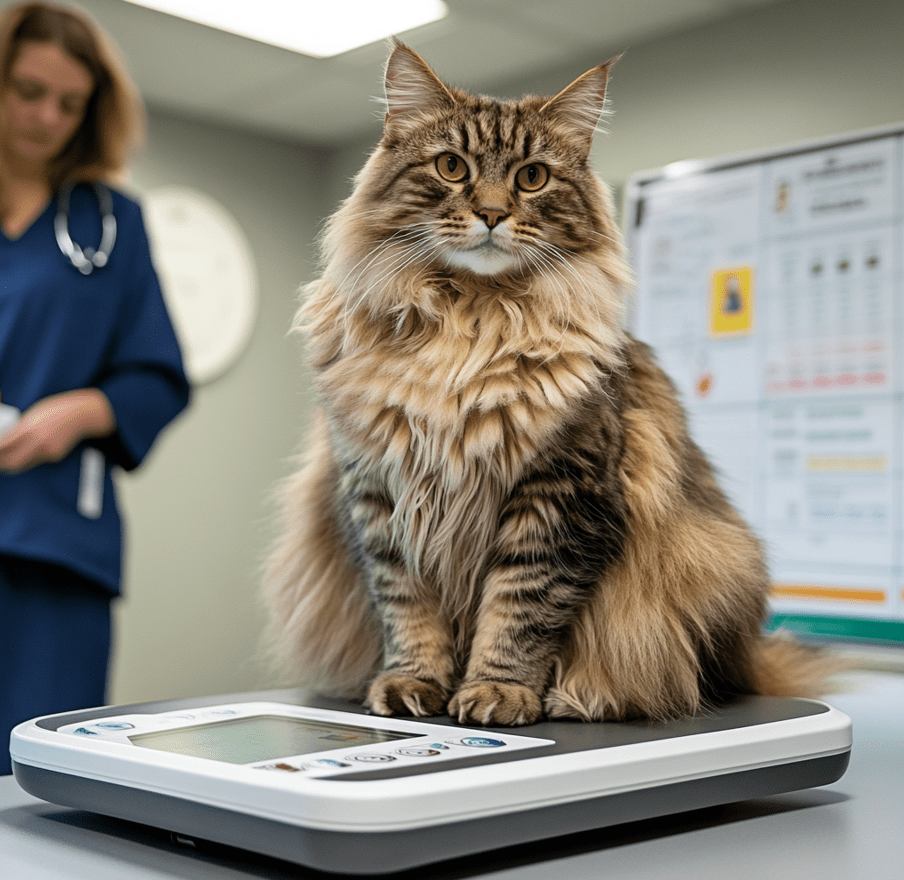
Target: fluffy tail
784 667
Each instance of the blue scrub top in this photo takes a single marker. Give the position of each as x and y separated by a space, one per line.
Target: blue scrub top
60 331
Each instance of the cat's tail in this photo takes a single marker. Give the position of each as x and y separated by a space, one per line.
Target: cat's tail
785 667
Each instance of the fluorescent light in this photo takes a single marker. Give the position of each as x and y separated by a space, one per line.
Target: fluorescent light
314 27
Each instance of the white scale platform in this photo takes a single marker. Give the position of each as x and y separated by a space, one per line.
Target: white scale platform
327 786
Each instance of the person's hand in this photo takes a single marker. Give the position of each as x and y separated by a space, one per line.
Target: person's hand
48 431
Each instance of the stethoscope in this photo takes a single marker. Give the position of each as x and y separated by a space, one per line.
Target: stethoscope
86 260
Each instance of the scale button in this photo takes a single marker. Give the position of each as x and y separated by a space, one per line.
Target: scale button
115 725
372 758
416 752
482 742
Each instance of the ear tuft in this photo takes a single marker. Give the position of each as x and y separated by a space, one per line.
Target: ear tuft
581 104
412 88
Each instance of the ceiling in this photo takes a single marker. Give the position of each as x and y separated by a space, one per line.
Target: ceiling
488 46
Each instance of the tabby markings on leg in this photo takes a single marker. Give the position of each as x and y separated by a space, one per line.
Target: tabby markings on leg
559 531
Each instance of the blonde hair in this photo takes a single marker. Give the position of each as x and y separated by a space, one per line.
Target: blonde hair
114 123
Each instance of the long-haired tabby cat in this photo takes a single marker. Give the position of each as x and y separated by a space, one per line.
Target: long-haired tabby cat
502 514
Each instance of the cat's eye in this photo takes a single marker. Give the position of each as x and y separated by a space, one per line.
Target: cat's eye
532 177
451 167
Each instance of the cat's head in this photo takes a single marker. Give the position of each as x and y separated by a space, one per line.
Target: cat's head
471 185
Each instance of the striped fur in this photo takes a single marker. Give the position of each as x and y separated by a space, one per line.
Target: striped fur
501 514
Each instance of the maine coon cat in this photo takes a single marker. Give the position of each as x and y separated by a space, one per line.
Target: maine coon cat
501 514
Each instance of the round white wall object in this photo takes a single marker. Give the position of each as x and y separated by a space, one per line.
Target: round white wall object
208 276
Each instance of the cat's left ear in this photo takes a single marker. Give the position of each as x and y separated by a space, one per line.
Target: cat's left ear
580 105
412 88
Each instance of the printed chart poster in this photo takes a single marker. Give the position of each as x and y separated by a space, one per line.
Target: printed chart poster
696 263
772 289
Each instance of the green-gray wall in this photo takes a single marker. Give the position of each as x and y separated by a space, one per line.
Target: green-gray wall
190 622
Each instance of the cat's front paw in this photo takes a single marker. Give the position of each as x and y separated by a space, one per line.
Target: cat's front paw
394 694
495 703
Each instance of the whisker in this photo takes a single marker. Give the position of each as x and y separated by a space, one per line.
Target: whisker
608 238
400 234
410 233
397 262
556 260
546 265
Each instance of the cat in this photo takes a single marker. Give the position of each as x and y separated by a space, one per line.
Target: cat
501 515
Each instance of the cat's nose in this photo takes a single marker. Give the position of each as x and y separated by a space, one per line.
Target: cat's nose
491 216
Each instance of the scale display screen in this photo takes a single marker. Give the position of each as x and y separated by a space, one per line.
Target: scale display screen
262 738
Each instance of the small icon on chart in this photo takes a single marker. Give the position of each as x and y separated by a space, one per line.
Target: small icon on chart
731 302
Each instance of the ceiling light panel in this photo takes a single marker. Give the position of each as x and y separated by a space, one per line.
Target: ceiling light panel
320 28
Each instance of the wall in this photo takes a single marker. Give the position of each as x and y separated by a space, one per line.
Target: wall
796 70
191 622
197 513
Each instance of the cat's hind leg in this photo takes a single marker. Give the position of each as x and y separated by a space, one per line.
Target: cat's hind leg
623 659
323 630
669 630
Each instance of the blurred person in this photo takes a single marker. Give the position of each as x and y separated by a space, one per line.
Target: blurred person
90 368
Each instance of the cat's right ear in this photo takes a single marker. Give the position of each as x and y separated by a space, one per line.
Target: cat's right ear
412 89
580 105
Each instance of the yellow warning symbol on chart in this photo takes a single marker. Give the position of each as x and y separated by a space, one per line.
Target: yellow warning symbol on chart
731 302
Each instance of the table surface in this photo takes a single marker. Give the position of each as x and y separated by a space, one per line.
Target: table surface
845 831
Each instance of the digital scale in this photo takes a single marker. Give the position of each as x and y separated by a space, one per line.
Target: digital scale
327 786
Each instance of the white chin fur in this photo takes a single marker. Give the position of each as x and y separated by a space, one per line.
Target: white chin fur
481 261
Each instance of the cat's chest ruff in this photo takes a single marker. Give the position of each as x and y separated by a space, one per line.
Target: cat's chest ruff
456 399
446 429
